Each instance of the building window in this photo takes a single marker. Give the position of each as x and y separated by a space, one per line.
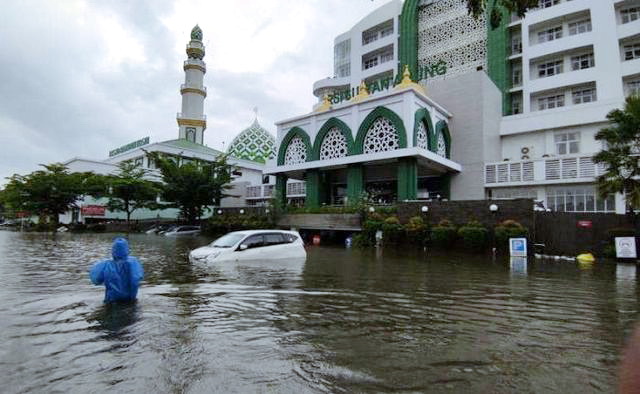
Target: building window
567 143
342 59
516 44
369 37
632 51
547 3
582 61
630 14
550 68
516 105
580 27
516 75
369 63
582 95
386 57
191 134
633 87
550 34
578 199
549 102
387 31
265 179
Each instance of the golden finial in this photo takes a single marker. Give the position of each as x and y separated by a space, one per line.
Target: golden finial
325 105
363 93
407 83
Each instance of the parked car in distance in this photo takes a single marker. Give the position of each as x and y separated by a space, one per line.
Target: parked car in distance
179 231
158 229
252 245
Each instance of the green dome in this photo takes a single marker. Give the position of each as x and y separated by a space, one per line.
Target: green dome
254 143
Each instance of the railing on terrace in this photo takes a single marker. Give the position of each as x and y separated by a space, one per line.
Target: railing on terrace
180 115
266 191
296 188
548 169
254 191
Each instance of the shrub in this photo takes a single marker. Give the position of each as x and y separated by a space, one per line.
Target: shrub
416 230
509 229
392 230
474 235
443 234
609 251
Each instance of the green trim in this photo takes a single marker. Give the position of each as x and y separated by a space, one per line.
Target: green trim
295 131
355 182
498 65
408 39
380 112
281 190
423 115
443 127
407 179
332 122
313 187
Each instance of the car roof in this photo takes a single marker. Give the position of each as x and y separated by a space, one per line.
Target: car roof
251 232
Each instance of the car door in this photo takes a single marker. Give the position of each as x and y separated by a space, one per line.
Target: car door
254 248
274 246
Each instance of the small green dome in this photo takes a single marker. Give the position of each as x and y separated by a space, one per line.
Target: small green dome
196 33
254 143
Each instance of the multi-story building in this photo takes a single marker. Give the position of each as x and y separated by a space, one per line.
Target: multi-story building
505 107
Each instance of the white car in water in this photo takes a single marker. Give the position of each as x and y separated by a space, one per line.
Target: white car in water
252 245
182 230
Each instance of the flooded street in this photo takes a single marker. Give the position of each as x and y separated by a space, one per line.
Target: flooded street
344 321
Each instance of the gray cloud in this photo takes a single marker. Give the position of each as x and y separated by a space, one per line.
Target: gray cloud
69 88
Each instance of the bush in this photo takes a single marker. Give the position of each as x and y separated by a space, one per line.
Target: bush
444 234
474 235
509 229
392 230
416 231
222 224
609 251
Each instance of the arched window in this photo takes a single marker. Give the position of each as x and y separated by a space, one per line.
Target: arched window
334 145
191 134
296 151
442 140
422 136
382 136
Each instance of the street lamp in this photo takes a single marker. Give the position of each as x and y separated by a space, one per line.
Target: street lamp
219 211
372 209
493 208
242 212
424 209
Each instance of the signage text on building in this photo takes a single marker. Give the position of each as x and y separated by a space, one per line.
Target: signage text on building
93 210
424 72
129 146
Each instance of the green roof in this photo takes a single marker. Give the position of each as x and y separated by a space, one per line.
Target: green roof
254 143
182 143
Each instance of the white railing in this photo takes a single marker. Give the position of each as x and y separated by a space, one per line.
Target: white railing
268 190
296 188
541 170
254 191
180 115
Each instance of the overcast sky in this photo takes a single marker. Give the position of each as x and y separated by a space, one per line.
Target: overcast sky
78 78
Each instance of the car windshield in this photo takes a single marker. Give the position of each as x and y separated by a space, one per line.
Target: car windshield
227 241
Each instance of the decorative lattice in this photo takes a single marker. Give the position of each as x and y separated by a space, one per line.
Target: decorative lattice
333 145
441 145
382 136
296 152
254 143
421 136
447 33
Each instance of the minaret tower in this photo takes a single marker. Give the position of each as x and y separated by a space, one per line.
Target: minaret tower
192 121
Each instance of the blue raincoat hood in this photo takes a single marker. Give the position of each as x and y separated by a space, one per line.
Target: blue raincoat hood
120 249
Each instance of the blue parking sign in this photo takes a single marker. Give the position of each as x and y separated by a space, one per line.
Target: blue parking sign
518 247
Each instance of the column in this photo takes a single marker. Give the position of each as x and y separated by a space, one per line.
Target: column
407 179
355 182
281 190
314 189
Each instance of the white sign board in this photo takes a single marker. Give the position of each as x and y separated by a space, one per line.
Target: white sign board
518 247
626 247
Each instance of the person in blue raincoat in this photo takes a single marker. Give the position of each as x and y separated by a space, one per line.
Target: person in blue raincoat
120 276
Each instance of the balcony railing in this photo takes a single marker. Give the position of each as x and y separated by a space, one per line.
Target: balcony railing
180 115
267 191
185 86
542 170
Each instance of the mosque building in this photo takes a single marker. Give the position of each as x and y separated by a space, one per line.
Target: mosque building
247 153
427 102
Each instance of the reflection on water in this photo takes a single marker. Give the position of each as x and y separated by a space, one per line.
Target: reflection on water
345 320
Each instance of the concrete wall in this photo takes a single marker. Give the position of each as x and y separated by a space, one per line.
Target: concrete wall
475 103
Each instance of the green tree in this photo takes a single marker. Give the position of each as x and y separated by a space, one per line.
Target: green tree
192 185
620 157
520 7
49 192
128 190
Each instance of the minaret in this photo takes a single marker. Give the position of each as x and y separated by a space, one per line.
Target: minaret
192 121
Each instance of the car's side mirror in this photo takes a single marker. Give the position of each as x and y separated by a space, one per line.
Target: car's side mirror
244 247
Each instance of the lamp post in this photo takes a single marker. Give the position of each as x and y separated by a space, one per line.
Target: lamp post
493 208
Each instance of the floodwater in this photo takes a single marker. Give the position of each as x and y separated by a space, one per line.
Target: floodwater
344 321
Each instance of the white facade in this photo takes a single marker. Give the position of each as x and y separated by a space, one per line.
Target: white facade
572 62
